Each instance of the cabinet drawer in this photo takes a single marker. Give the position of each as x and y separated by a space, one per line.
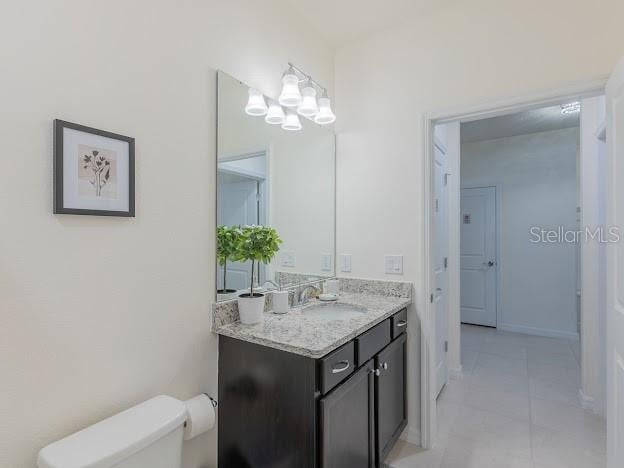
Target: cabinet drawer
371 342
399 323
337 366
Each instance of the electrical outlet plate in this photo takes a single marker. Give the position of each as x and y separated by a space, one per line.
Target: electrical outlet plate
394 264
287 259
345 263
326 262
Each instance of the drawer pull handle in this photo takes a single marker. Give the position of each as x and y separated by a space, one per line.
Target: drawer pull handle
338 370
401 323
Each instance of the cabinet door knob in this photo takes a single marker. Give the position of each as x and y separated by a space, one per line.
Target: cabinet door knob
384 366
376 372
344 367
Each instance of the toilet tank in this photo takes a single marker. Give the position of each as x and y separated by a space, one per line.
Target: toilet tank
147 435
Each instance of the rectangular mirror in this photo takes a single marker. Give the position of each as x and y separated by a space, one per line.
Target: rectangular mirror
274 177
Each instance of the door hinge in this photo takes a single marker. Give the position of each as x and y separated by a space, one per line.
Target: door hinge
445 262
446 346
437 206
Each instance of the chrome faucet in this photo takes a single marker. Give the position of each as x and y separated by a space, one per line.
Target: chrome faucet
303 297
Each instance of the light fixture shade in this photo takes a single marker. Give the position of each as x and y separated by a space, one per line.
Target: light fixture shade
291 122
256 105
275 114
290 95
325 115
308 106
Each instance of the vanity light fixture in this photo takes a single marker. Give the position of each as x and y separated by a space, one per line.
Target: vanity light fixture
325 114
571 108
275 114
292 122
290 95
293 101
256 105
308 106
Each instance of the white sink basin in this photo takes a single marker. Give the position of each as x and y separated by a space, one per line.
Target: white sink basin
334 311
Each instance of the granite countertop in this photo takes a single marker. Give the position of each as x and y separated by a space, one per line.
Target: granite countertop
314 337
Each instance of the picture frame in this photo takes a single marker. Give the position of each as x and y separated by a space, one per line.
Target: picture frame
93 171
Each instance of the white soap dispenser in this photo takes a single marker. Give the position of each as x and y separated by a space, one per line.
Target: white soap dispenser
280 300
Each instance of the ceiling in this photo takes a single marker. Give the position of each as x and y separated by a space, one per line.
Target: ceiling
342 21
522 123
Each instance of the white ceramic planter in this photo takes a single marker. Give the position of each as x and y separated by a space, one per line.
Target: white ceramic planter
250 309
226 296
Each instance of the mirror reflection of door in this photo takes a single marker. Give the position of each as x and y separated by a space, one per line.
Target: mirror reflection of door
241 183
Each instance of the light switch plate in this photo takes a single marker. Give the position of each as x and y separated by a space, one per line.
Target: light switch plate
326 262
287 259
345 263
394 264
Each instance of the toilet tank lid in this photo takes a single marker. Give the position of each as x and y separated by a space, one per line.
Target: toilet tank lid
108 442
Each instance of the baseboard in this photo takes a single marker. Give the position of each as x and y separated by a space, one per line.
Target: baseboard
411 435
456 373
546 332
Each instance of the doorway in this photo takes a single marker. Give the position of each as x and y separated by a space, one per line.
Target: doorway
429 417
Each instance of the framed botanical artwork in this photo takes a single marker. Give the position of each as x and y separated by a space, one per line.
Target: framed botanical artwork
93 171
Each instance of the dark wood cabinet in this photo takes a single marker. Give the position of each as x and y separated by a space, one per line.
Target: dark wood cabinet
282 410
390 395
347 424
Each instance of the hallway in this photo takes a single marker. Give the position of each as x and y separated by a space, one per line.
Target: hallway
515 407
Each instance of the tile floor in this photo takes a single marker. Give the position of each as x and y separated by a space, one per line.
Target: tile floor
515 407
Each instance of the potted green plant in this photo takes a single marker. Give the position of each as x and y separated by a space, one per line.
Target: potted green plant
257 244
227 243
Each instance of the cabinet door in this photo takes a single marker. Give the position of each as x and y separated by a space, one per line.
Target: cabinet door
347 423
391 396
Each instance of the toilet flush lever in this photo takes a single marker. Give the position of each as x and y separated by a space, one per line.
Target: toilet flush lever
212 400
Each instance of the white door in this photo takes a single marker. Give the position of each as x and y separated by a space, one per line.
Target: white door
441 265
238 206
478 256
615 270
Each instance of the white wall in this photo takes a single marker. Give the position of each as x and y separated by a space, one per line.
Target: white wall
97 314
463 54
536 180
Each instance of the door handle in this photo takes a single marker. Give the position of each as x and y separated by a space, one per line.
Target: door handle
489 264
338 370
401 323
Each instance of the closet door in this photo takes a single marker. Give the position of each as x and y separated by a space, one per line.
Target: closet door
615 270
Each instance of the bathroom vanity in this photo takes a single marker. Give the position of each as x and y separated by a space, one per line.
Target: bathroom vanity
322 385
300 391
